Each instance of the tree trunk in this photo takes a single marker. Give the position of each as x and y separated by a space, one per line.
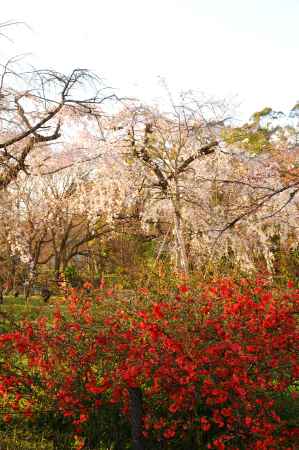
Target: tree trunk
135 395
181 255
57 271
27 290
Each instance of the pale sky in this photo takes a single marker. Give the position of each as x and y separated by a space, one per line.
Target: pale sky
242 48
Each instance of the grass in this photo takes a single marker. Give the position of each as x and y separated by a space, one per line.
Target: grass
16 440
17 309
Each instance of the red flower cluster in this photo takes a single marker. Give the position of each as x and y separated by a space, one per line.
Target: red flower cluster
209 363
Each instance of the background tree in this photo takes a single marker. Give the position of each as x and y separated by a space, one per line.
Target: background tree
165 145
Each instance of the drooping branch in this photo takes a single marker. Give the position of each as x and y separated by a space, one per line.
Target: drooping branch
146 158
18 145
203 151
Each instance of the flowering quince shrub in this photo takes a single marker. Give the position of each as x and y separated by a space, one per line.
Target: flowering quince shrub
209 364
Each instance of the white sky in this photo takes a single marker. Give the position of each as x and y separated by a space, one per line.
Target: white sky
247 48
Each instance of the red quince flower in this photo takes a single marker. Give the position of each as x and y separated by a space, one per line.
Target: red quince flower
183 288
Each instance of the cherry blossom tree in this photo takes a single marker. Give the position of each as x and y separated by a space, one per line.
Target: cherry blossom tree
222 188
38 108
50 219
165 147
